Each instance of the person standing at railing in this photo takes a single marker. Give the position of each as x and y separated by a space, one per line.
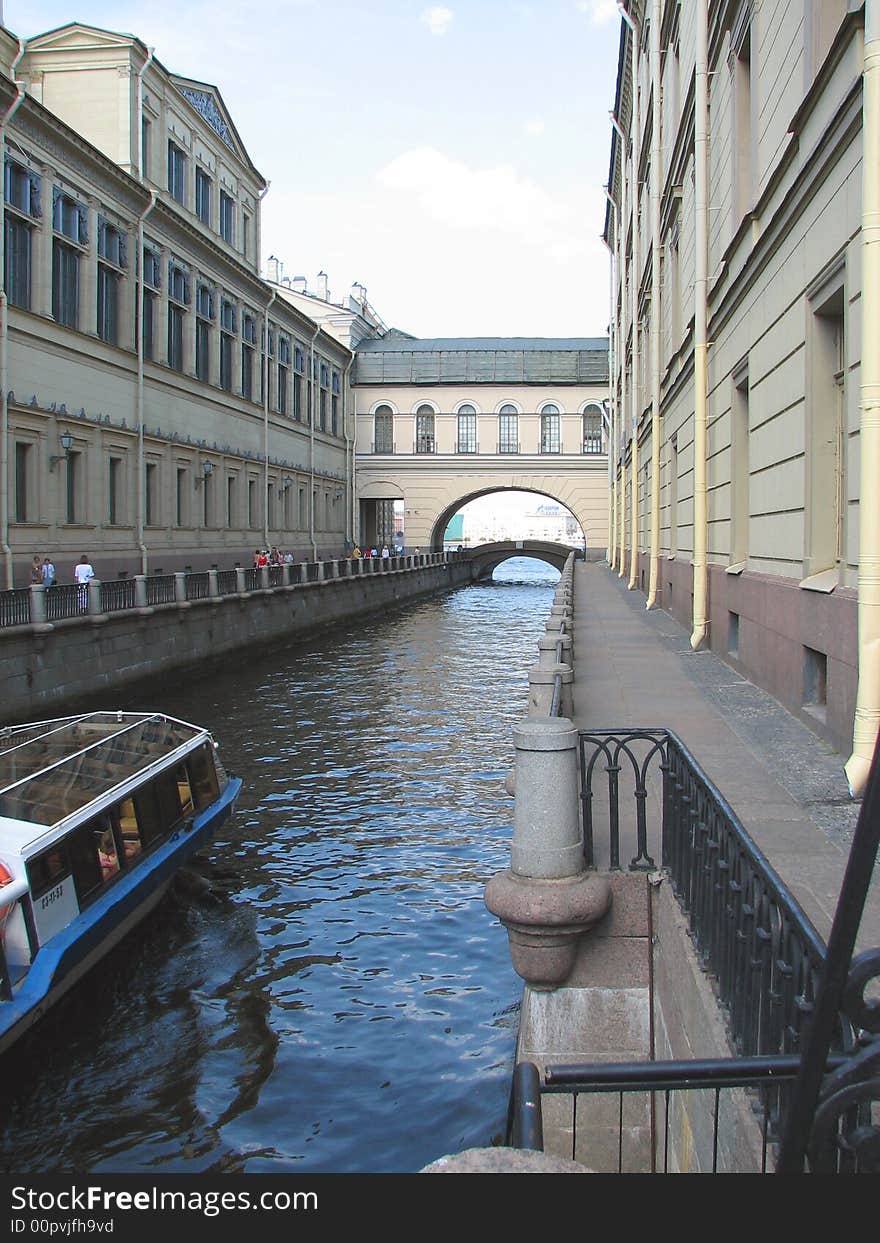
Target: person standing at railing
36 570
47 573
83 573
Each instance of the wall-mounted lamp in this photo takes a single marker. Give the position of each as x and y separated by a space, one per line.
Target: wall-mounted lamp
207 472
66 441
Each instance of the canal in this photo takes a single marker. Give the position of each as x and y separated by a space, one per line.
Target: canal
329 993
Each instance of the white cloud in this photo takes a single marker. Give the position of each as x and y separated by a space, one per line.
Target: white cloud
438 19
600 11
533 128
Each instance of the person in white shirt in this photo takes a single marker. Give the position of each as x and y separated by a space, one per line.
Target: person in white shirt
83 572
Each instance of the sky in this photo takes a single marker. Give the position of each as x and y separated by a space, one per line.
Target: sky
450 158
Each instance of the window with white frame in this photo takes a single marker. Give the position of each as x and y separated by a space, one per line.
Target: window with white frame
466 437
383 430
21 191
550 428
227 341
70 238
178 301
204 318
176 172
592 429
111 262
203 196
283 372
227 218
248 351
508 429
298 369
425 429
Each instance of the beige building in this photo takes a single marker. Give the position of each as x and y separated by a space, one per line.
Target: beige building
221 425
443 421
735 225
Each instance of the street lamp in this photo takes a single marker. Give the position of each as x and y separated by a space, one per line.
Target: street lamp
66 441
207 472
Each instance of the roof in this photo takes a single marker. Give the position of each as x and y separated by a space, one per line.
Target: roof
396 358
52 769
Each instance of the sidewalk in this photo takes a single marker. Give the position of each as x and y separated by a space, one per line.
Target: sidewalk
636 668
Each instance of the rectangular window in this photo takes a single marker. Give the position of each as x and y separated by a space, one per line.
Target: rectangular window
231 507
181 507
72 488
245 234
227 218
739 470
248 350
227 324
204 315
176 172
253 514
742 140
334 415
17 262
826 433
145 147
108 304
151 511
22 471
65 284
149 324
467 433
301 507
113 478
175 337
282 389
549 433
203 196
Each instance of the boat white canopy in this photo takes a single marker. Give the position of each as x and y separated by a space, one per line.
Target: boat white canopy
51 770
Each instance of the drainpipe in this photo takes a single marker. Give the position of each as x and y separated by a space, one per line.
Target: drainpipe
313 379
701 265
139 330
612 392
4 335
654 556
636 125
349 456
621 350
266 541
867 715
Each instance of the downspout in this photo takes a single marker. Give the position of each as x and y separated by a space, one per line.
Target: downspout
635 123
621 351
612 391
266 541
349 460
701 265
139 331
867 715
4 332
654 557
313 389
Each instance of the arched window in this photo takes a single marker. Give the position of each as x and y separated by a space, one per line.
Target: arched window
467 429
550 428
592 421
508 430
383 430
425 429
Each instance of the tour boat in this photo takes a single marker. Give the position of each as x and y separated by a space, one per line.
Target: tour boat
97 814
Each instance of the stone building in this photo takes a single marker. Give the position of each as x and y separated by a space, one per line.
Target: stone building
443 421
734 219
224 423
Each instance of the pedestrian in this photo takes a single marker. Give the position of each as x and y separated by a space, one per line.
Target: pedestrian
36 570
47 572
83 573
356 553
385 553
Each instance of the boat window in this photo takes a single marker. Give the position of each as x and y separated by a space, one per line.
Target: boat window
149 813
129 829
203 776
83 849
45 869
184 791
108 855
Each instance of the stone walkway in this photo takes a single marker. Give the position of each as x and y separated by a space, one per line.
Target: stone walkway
636 668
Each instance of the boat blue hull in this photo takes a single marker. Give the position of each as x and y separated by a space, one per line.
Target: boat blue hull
94 932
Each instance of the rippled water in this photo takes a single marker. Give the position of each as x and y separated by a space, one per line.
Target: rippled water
338 999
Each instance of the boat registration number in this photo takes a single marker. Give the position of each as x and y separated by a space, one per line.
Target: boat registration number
54 909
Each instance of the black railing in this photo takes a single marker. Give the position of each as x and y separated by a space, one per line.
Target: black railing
801 1017
160 589
15 607
117 595
197 586
67 600
227 582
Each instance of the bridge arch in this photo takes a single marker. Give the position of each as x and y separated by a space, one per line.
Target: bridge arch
449 512
488 557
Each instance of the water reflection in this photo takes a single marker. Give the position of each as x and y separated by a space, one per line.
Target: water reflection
340 999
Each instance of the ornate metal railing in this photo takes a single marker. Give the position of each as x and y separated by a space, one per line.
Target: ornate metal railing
160 589
67 600
801 1016
197 586
227 582
117 595
15 607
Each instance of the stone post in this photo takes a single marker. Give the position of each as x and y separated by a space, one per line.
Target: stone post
263 577
213 584
180 587
95 609
548 647
38 603
319 574
542 679
240 580
140 591
546 899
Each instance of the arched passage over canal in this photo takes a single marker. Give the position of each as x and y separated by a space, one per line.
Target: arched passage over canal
332 996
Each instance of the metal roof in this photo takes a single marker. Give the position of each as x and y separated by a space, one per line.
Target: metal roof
398 359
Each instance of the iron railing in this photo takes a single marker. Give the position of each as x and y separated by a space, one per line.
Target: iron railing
800 1017
15 607
117 595
66 600
227 582
160 589
197 586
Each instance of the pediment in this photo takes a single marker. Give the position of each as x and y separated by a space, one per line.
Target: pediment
76 36
208 103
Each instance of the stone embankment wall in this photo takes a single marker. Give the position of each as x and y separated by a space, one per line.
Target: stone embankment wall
45 666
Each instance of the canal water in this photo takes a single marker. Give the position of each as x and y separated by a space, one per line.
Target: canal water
329 994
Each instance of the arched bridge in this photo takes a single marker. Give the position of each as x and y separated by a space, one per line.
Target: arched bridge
486 557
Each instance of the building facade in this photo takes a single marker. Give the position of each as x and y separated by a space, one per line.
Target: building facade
443 421
163 407
734 221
